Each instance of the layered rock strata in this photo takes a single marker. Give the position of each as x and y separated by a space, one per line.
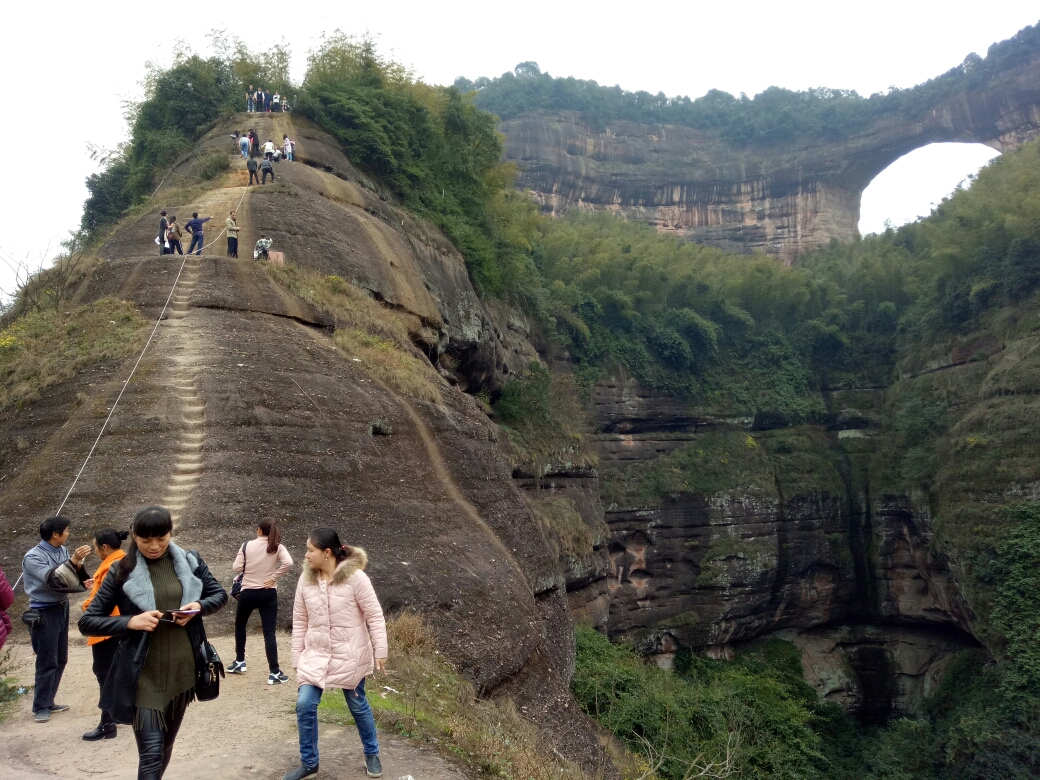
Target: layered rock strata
782 198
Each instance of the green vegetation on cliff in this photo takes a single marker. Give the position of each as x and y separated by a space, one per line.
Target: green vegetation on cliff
437 153
773 115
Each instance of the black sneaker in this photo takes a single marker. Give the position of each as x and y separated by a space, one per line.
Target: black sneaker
372 765
301 772
59 707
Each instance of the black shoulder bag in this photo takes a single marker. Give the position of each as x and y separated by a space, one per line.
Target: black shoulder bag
208 670
236 584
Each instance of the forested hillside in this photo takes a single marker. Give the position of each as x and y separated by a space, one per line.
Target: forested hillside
775 114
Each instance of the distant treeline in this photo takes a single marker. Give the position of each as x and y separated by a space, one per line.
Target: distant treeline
773 115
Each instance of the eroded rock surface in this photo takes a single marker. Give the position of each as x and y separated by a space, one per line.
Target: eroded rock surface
781 198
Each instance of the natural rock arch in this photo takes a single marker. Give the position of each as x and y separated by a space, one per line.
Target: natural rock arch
782 198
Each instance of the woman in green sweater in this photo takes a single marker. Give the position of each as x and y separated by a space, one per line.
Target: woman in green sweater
152 678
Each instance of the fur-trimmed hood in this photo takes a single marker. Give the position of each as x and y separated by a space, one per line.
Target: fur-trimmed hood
356 561
138 586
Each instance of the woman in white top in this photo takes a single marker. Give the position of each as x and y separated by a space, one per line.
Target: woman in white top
261 562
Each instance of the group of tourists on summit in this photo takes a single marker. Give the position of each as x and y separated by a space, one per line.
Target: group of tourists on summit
151 657
259 100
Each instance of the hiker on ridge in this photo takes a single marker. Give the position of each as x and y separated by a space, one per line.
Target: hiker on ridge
262 250
173 237
108 543
232 235
250 99
162 592
338 637
163 225
50 632
253 166
266 168
276 103
260 562
194 226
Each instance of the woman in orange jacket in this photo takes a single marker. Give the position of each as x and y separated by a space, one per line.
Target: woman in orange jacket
108 544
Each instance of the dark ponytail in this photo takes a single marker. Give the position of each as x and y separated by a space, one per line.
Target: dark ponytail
269 528
328 539
149 522
110 537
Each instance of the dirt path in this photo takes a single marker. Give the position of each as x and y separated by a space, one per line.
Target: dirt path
249 732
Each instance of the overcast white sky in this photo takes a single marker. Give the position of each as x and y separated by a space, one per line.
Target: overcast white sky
71 66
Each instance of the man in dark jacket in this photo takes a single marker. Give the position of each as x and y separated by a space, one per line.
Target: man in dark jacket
252 165
50 636
194 226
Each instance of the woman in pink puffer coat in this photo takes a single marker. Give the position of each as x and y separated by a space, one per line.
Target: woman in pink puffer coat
339 637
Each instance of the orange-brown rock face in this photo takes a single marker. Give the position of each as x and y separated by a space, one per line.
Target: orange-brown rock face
781 199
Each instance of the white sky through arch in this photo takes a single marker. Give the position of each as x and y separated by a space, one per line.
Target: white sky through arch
915 183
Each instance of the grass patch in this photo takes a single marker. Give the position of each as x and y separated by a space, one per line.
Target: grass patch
386 361
45 348
715 462
571 535
544 419
210 165
731 561
377 336
426 699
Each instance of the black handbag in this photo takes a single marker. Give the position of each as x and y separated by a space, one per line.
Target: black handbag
207 676
236 584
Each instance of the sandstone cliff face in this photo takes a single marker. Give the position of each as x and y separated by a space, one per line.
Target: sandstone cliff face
799 545
245 406
780 199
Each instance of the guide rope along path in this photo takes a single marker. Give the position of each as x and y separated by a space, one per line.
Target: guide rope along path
140 357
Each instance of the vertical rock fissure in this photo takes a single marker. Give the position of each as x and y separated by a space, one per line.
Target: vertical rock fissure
865 601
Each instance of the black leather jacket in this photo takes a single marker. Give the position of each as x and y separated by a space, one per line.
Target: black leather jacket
119 693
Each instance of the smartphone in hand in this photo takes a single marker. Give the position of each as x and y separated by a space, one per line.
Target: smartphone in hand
171 615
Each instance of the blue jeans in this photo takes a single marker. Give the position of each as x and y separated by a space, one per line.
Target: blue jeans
244 146
307 721
249 104
196 238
